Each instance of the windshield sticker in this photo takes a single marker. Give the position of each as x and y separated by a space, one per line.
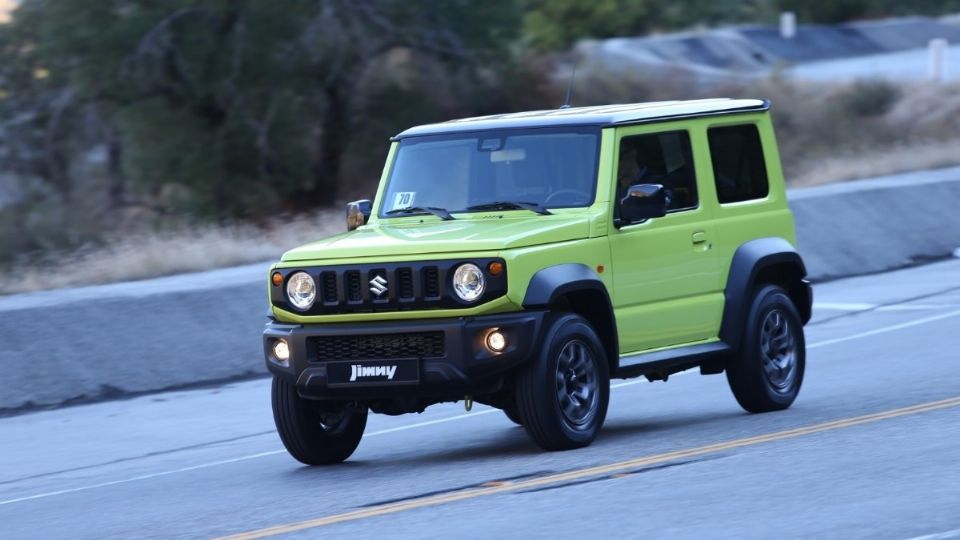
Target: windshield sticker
404 199
506 156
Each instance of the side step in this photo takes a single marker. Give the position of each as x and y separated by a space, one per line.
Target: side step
659 365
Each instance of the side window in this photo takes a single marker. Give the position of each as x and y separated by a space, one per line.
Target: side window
659 158
738 167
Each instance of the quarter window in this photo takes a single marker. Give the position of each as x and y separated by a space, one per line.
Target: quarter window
661 158
738 167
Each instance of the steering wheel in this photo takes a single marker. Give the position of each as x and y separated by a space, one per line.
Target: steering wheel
576 196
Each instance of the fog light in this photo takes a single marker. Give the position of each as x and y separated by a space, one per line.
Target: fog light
281 351
496 341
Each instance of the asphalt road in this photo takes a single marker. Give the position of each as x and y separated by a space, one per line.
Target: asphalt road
871 449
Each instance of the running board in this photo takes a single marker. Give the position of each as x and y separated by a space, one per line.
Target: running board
659 365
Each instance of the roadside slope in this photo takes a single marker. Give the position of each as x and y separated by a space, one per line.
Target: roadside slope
107 341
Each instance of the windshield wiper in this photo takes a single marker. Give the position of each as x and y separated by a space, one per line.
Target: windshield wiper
510 205
439 212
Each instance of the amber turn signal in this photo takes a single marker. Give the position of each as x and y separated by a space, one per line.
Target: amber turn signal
277 279
495 268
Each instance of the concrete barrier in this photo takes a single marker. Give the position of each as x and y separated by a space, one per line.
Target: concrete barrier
875 225
107 341
97 342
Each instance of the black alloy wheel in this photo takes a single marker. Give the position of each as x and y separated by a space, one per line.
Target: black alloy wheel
767 373
562 394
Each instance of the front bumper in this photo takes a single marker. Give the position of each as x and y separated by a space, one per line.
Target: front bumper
465 366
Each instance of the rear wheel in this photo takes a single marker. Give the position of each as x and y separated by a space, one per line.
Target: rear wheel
316 432
562 394
767 374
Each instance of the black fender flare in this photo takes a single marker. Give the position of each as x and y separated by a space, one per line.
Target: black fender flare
549 285
748 261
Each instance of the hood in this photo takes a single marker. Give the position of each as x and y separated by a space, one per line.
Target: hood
481 233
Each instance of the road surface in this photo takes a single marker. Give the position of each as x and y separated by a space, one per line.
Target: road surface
871 449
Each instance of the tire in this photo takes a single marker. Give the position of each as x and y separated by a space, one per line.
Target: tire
316 432
767 373
563 392
511 412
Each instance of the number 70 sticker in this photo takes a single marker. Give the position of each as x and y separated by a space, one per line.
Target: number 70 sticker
404 199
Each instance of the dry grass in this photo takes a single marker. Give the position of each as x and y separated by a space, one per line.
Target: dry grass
893 160
827 133
145 254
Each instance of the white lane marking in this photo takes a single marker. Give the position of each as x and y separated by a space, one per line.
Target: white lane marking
429 422
916 307
882 330
844 306
141 477
945 535
234 460
885 329
271 452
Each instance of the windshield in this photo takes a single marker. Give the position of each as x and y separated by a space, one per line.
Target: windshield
548 168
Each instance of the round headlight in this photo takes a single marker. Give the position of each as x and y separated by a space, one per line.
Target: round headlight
301 290
468 282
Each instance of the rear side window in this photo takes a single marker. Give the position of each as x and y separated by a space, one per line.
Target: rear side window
738 167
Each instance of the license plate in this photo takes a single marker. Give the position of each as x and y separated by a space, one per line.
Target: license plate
373 372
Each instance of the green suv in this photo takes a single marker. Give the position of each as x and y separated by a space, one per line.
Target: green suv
524 260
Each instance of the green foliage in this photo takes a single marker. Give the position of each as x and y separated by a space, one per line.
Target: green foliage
118 112
835 11
556 24
220 108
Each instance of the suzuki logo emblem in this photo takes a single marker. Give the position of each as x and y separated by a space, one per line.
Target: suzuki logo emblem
378 285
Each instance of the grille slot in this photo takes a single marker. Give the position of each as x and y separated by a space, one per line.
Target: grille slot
405 284
431 282
379 347
328 281
354 291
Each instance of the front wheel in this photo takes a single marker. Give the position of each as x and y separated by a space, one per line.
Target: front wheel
767 373
511 412
316 432
562 394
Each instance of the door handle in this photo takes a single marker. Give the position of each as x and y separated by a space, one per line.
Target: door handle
699 237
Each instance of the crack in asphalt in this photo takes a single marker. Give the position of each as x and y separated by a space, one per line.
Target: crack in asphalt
619 475
484 484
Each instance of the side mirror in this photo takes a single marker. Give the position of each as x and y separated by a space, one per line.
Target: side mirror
643 202
358 213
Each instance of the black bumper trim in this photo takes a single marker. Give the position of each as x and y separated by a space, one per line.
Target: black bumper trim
466 366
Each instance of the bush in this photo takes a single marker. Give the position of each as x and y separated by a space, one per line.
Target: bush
870 98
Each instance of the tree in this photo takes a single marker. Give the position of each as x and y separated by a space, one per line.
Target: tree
240 107
557 24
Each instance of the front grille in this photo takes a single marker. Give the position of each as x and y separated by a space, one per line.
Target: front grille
379 347
380 287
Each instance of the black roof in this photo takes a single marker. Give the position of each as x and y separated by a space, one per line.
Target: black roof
602 115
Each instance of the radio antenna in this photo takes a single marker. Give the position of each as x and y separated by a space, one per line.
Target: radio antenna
573 77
